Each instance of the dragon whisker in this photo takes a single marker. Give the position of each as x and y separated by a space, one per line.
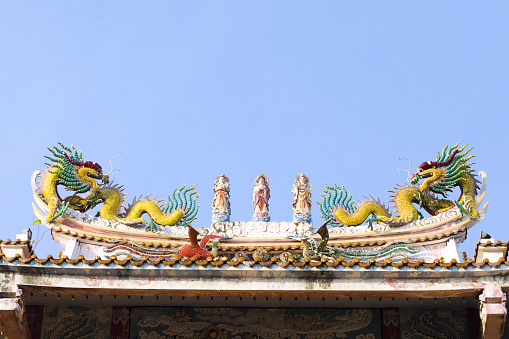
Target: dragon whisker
409 168
114 169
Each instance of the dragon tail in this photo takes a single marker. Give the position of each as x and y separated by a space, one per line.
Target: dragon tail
182 200
340 206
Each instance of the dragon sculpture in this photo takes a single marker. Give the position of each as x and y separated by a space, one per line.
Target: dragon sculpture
312 249
451 169
317 251
71 171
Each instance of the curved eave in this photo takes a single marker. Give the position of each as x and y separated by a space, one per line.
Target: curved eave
444 228
198 267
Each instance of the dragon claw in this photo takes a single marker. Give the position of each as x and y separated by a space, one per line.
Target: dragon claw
61 211
371 220
422 199
151 226
463 211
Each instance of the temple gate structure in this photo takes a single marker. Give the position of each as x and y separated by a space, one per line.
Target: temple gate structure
142 270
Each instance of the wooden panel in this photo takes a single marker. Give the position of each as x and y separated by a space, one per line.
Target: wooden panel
120 322
390 323
35 314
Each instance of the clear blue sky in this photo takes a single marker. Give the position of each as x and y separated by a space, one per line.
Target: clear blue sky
187 90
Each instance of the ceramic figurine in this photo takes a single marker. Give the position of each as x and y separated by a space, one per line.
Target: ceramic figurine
221 204
301 199
261 196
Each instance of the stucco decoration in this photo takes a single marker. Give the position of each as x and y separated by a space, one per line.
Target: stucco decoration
232 229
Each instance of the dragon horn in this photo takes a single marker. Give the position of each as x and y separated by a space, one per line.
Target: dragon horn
430 164
448 161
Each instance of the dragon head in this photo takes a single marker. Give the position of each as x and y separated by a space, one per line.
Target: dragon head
88 172
446 172
75 173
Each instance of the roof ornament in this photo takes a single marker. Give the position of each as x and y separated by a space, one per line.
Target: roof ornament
221 209
68 169
261 196
301 203
118 227
451 169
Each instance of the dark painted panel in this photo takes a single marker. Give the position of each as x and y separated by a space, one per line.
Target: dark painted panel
35 314
190 322
506 327
120 322
434 323
390 323
76 322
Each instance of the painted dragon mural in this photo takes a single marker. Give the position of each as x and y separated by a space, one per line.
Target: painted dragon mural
70 170
451 169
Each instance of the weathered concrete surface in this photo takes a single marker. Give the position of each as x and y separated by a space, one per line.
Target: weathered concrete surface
493 311
256 280
13 319
487 249
188 279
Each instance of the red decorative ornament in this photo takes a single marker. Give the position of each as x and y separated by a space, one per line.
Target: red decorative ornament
197 250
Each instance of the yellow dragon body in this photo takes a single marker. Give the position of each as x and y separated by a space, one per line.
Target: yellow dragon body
71 171
112 195
450 170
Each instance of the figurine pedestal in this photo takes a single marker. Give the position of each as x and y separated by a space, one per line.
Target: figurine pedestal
232 229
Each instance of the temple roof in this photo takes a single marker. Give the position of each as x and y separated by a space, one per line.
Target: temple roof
242 264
